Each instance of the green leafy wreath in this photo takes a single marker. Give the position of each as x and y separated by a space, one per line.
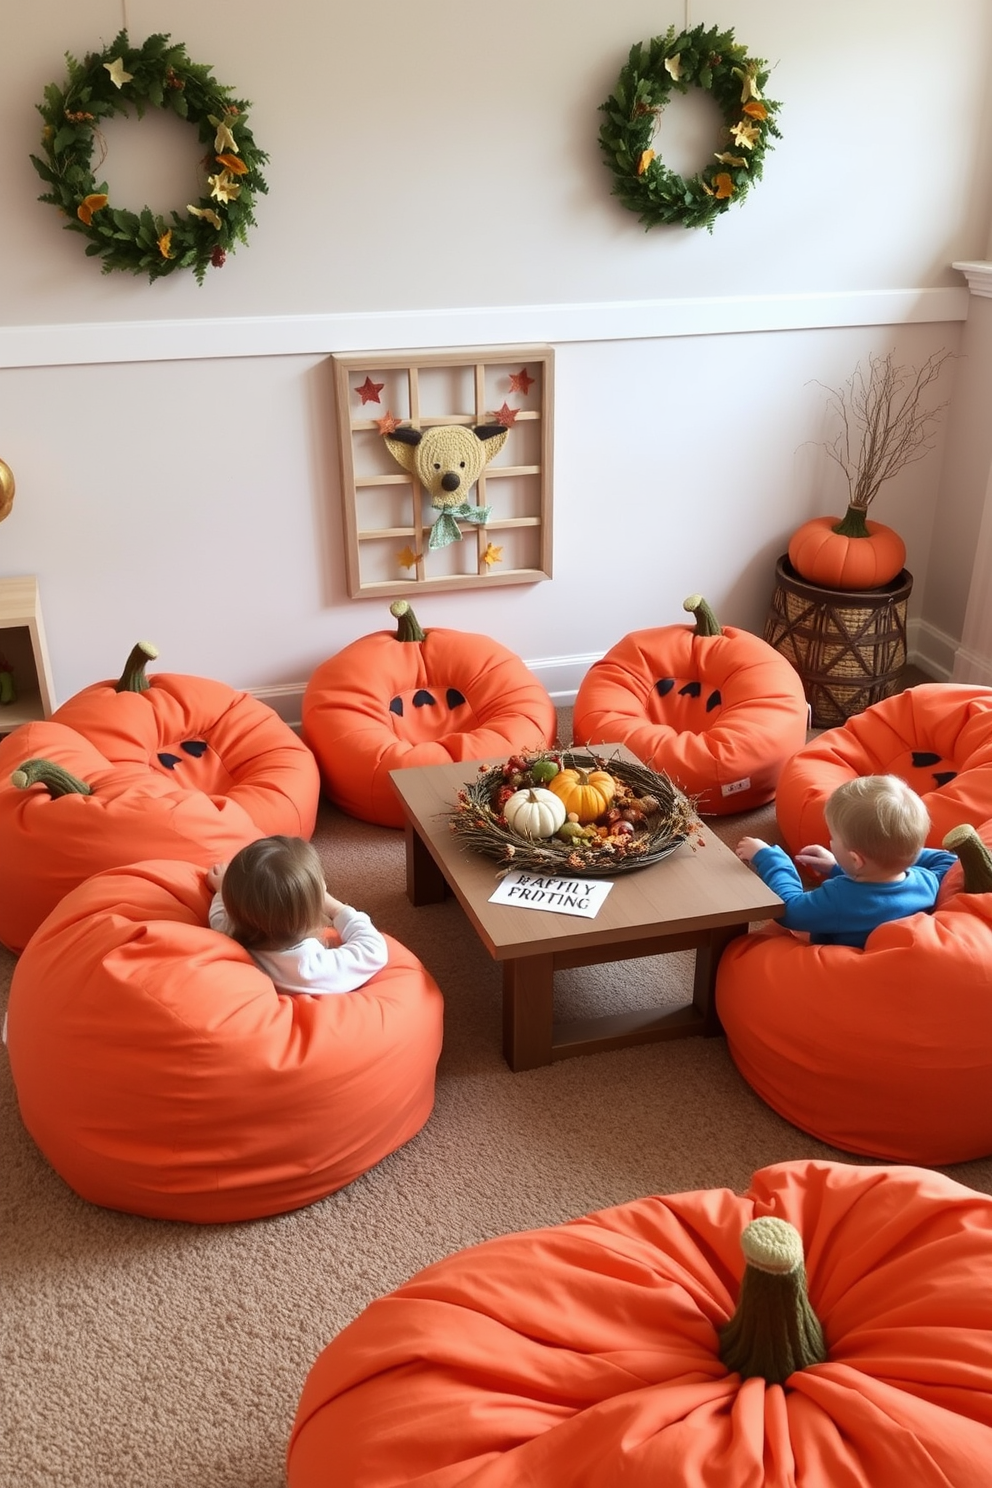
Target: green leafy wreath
707 59
161 75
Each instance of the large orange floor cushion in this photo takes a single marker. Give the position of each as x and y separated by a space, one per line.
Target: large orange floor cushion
937 737
589 1355
716 709
885 1051
391 701
168 767
160 1073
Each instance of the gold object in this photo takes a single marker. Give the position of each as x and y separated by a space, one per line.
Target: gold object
6 490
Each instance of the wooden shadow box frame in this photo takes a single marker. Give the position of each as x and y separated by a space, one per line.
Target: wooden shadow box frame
387 513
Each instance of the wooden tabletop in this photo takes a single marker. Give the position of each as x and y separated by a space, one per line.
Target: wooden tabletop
701 885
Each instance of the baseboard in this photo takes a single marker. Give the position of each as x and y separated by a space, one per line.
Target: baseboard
932 650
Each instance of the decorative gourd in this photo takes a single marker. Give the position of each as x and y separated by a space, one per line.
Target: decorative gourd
717 709
389 701
161 1073
937 737
847 553
534 813
584 793
886 1051
676 1359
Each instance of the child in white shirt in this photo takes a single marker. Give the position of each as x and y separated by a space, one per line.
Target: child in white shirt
272 899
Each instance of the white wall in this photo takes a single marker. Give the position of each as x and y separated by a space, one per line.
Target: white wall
433 160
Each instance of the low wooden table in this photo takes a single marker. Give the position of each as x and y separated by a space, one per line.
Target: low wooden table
698 898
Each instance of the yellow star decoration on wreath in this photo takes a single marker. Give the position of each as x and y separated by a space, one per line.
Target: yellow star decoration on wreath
492 555
122 78
700 58
407 558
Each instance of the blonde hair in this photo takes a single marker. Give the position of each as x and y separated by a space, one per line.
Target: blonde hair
273 892
881 817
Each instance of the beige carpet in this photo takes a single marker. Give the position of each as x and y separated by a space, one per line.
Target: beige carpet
157 1355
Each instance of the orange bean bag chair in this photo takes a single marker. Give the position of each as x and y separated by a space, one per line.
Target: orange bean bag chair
599 1352
717 710
885 1051
175 767
390 701
937 737
161 1073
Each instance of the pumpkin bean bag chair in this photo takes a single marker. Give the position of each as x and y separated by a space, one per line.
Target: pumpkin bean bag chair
160 1072
937 737
393 701
681 1340
885 1051
171 767
717 710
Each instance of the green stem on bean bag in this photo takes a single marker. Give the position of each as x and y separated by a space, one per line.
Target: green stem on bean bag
706 622
59 782
407 625
774 1330
976 860
132 678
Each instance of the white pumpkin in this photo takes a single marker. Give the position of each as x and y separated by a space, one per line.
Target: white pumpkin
534 812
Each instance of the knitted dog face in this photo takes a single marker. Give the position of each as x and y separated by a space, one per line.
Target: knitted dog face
447 459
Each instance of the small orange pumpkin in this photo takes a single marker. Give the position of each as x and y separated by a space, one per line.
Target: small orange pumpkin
847 553
584 793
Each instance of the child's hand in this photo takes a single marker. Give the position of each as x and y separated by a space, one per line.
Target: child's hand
748 846
816 859
215 877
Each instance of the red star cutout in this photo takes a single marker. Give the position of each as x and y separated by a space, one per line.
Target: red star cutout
387 423
506 416
369 391
520 382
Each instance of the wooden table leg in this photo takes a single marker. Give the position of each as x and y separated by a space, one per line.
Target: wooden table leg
425 883
528 1011
704 980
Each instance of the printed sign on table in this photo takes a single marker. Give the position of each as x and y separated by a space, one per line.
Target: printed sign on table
574 896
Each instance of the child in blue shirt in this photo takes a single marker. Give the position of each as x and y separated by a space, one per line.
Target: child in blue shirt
876 868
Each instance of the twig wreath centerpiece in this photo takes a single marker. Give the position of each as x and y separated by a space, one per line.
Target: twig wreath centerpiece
701 58
158 74
564 811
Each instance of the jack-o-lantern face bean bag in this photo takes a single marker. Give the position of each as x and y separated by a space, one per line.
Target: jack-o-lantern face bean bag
681 1341
66 812
171 767
205 735
885 1051
717 710
937 737
393 701
161 1073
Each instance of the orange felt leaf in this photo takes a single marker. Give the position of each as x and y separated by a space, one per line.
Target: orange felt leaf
89 205
233 163
724 186
755 110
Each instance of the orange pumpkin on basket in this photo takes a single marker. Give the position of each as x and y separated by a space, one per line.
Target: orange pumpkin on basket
684 1341
851 553
885 1051
937 737
716 709
390 701
161 1073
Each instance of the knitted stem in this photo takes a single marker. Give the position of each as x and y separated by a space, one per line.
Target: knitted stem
132 678
852 524
774 1330
976 860
58 781
706 622
407 626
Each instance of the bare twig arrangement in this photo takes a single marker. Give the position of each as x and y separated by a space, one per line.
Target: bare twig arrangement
885 423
